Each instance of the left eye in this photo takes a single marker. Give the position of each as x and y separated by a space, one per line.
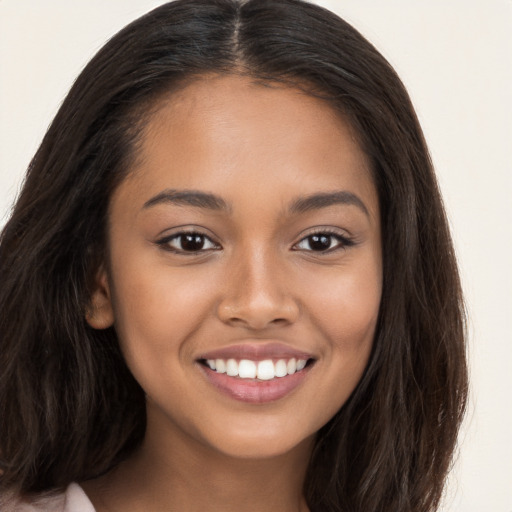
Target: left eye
322 242
188 242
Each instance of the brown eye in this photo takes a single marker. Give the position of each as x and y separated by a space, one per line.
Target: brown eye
187 243
323 242
192 242
319 242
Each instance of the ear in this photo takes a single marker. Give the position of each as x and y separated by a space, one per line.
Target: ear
100 314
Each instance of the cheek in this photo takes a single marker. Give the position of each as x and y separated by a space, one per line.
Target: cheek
345 304
157 309
346 312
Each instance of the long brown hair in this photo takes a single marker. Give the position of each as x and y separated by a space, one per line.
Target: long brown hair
70 409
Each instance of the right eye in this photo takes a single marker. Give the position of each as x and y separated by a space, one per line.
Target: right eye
187 243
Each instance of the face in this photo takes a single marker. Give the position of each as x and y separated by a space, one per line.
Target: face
244 274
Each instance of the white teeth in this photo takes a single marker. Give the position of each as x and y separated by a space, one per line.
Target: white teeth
247 369
232 368
220 365
266 370
262 370
281 369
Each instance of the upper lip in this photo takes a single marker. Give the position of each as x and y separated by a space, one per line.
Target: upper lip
256 352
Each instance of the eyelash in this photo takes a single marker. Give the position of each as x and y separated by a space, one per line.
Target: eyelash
165 243
343 241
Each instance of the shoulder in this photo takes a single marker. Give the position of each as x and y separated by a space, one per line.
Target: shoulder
73 499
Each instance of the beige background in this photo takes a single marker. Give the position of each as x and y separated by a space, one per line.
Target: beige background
455 57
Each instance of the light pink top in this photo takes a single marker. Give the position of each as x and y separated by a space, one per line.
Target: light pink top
73 499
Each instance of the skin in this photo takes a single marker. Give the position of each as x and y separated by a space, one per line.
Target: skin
260 148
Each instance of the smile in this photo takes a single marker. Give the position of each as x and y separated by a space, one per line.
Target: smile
262 370
256 373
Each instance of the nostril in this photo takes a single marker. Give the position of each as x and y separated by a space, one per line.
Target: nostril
258 310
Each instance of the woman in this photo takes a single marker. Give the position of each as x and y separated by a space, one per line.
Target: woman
228 281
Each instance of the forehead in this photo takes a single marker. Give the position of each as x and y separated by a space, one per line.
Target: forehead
221 108
228 133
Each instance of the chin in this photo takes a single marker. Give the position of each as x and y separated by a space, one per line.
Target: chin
260 449
262 440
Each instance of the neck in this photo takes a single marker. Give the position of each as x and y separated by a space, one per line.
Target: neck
169 474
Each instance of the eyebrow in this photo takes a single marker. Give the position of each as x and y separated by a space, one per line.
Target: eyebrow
188 198
209 201
325 199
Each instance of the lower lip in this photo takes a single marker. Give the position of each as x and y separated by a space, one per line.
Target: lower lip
255 391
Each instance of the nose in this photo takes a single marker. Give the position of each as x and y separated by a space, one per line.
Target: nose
257 294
